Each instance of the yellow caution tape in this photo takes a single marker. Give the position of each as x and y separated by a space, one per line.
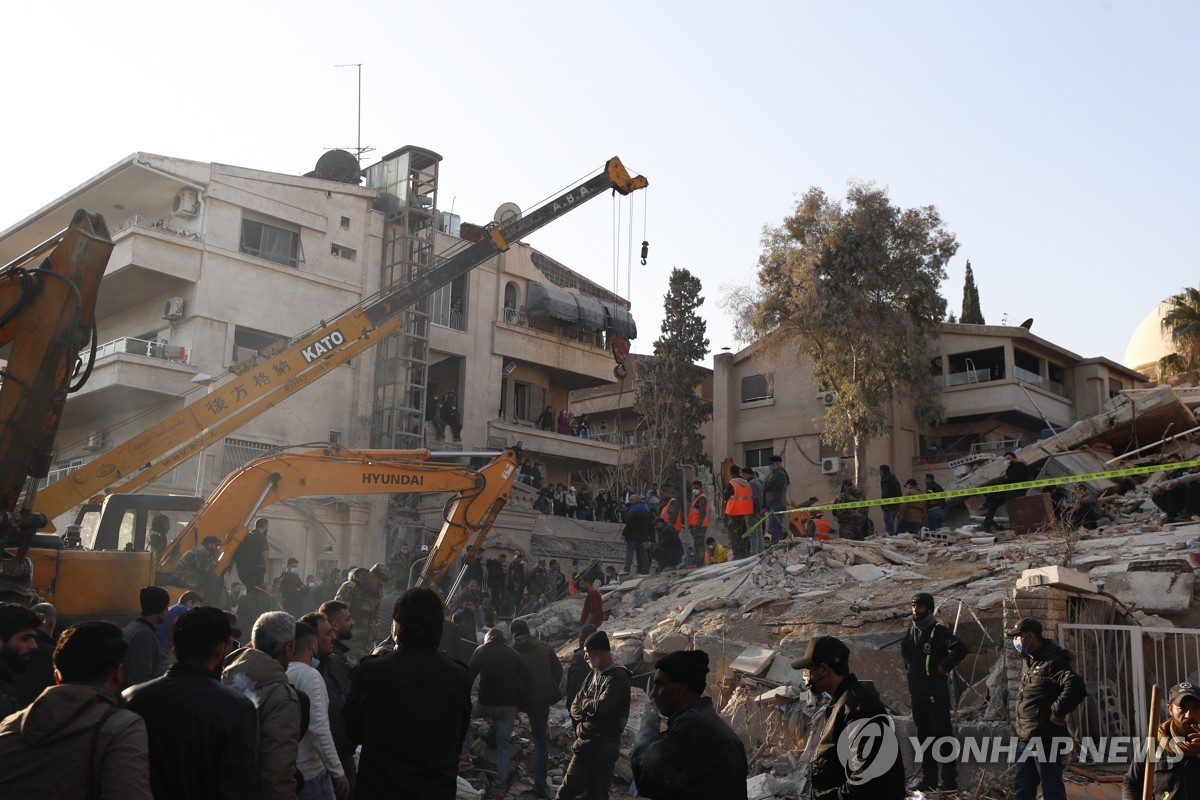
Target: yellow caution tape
1002 487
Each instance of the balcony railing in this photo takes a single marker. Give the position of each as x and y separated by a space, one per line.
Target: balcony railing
159 225
554 327
964 378
140 347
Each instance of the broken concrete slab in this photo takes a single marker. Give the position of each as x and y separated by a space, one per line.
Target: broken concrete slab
864 573
1156 587
1058 577
753 660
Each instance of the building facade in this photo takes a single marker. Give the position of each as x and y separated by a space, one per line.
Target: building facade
1002 387
213 263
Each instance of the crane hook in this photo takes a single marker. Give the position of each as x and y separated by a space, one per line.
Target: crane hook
645 252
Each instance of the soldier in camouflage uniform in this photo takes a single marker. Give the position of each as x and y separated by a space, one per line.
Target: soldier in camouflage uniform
853 523
195 569
362 594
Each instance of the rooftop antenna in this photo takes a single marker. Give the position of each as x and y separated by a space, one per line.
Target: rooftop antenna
359 149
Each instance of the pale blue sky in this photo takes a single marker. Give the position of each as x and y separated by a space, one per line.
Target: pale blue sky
1056 139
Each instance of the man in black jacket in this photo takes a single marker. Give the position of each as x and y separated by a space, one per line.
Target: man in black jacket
874 769
599 711
931 651
335 669
202 734
503 679
145 660
889 486
636 534
545 676
698 756
775 489
410 710
1014 472
1176 752
1049 691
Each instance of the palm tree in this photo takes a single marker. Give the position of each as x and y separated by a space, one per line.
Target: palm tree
1181 323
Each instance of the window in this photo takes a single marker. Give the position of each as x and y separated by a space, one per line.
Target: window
758 457
345 222
1115 387
274 241
247 342
335 437
758 387
528 401
343 252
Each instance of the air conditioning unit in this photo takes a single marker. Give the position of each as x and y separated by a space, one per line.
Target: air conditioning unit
510 367
827 398
97 441
831 465
173 309
187 203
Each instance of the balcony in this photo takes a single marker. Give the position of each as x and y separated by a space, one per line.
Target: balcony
576 357
149 259
1008 396
130 376
556 449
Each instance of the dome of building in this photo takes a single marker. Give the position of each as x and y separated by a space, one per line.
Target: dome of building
1148 343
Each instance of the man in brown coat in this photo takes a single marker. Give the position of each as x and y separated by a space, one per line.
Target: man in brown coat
75 741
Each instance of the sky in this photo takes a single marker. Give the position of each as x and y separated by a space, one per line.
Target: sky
1057 140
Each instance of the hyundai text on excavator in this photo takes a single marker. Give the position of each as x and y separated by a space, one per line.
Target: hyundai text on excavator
479 495
254 386
47 315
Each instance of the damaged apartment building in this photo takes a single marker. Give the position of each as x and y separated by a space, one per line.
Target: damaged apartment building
213 263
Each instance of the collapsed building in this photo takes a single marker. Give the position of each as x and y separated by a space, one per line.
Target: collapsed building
1119 597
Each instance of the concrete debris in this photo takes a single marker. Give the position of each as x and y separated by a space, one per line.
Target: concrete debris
755 615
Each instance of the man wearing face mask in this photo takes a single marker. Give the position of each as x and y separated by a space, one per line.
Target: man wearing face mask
1177 751
931 651
868 775
1049 691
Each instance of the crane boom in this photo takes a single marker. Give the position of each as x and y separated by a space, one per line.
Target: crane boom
281 370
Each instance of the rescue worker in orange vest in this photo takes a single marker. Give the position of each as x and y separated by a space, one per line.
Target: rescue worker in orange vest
739 507
698 522
671 513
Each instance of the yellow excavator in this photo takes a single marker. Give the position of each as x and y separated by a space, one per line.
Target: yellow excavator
102 579
85 583
47 315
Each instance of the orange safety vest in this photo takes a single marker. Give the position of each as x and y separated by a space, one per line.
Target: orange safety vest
741 503
694 512
677 523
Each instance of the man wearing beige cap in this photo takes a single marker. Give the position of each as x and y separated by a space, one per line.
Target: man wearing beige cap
1049 691
858 753
1176 751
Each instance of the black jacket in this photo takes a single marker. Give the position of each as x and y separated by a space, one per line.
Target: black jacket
503 676
889 486
545 673
601 708
1175 776
698 757
202 735
577 670
1048 685
827 776
335 669
775 488
410 710
638 524
923 652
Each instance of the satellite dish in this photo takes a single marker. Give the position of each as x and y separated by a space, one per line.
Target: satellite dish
506 213
1027 324
337 165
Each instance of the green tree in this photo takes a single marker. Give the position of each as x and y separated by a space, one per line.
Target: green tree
670 410
854 287
972 313
1181 324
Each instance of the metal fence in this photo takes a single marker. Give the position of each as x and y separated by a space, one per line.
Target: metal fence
1120 664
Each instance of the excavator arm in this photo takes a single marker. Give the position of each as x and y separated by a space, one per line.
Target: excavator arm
47 315
228 511
281 370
